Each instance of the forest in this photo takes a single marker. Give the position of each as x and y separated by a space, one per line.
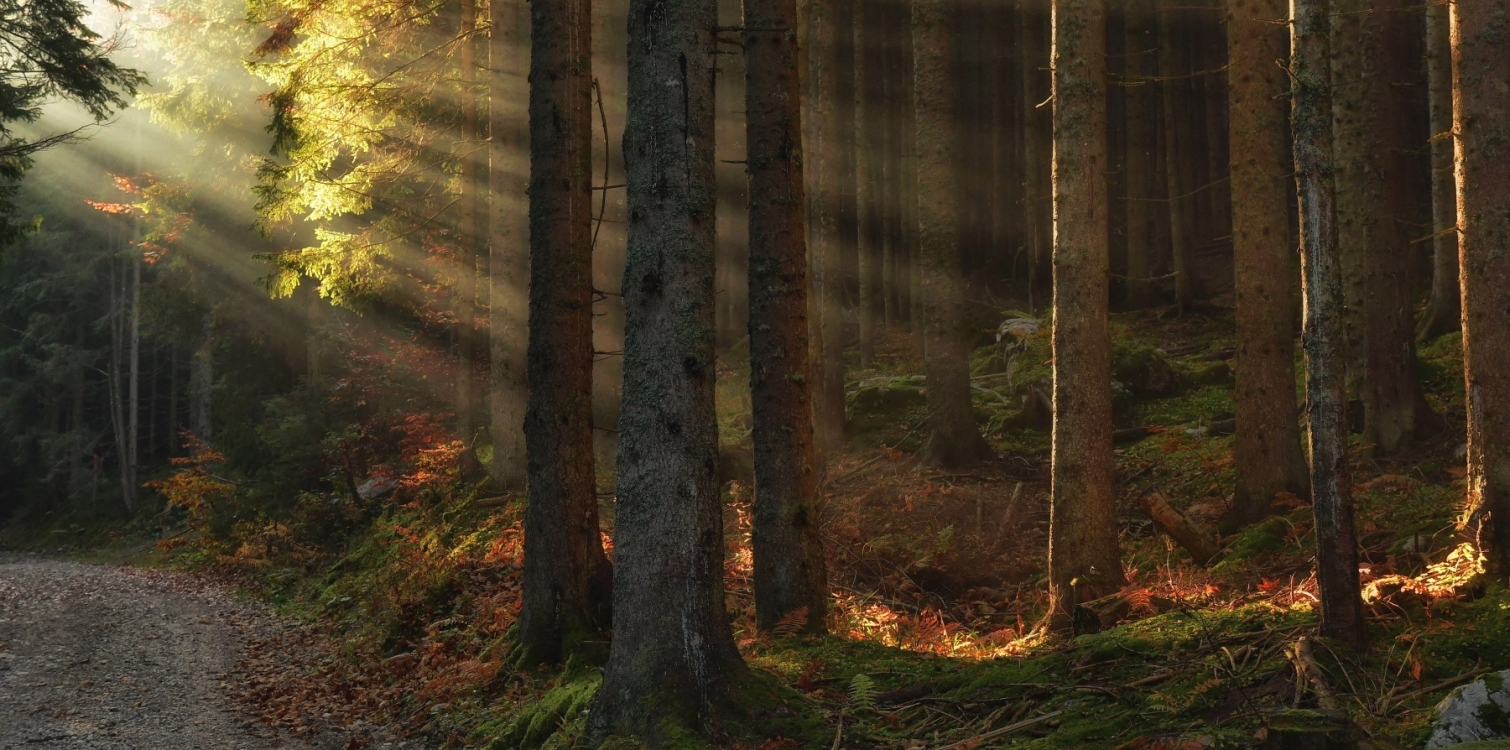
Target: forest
758 374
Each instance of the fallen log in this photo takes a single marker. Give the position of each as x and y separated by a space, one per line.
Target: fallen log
1171 521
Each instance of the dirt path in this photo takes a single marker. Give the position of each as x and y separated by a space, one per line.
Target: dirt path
110 658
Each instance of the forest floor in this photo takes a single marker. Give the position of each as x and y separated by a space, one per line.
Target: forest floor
102 658
937 577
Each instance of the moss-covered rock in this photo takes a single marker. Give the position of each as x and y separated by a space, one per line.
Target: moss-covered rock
878 403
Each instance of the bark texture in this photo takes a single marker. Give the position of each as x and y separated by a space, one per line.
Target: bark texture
1443 309
467 239
788 547
508 242
567 578
1373 48
955 440
1331 487
1084 560
826 228
1141 50
1037 147
1481 117
673 658
1268 449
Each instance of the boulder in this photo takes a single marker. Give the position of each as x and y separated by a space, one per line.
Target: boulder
1476 712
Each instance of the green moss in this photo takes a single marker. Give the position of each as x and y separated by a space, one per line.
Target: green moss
1255 541
878 404
546 722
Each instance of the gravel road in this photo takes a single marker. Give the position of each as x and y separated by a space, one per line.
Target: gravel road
102 658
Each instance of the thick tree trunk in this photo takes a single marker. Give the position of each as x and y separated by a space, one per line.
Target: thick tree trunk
1311 123
467 239
789 565
567 578
1179 153
1084 561
1481 117
955 439
673 657
1142 139
1037 127
1373 53
1443 310
1268 450
869 139
508 247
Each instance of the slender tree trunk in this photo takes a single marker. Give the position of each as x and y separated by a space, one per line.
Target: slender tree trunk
827 221
134 384
1481 118
907 251
174 443
202 379
1373 52
1142 139
1179 153
467 238
789 565
1084 561
673 655
955 440
1443 310
890 27
509 261
1311 123
567 578
1037 148
118 420
1268 450
868 143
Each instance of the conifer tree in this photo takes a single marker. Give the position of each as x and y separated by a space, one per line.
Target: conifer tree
1084 562
789 566
1321 266
673 656
955 440
567 578
1481 123
1268 447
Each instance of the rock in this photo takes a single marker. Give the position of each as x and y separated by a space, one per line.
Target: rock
1016 329
377 487
1147 372
881 403
1474 712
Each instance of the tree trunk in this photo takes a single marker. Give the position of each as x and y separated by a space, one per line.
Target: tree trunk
134 384
673 657
1373 57
869 140
1179 153
467 238
1481 118
1268 450
1311 123
508 242
567 578
1033 41
1443 310
1084 561
1142 139
202 379
827 221
789 565
117 322
955 439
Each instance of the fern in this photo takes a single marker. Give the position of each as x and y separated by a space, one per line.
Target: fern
792 623
862 693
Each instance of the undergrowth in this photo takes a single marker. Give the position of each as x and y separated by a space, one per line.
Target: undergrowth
937 577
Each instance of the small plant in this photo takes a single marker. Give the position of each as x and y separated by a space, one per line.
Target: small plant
862 693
